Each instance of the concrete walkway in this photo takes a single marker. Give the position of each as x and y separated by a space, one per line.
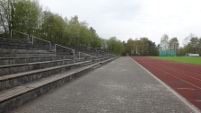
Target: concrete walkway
121 86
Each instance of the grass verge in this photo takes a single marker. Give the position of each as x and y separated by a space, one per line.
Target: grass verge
191 60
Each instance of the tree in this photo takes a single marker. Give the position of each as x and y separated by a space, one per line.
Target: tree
194 43
53 28
144 46
153 50
173 43
26 16
193 46
21 15
131 46
187 39
115 46
6 15
164 42
74 31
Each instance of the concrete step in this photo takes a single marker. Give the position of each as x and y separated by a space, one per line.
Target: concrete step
12 43
13 80
13 52
105 61
17 96
6 50
18 68
18 45
26 54
21 60
11 40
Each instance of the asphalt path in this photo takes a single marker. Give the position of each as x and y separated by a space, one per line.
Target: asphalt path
121 86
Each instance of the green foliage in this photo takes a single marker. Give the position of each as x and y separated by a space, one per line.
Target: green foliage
26 16
173 43
164 44
143 46
115 46
191 60
53 27
6 15
131 46
193 46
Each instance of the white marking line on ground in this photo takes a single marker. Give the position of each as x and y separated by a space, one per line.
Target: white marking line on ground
186 88
185 74
178 78
198 100
190 105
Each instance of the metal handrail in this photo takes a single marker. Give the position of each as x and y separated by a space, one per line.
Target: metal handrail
65 48
20 33
91 56
30 39
33 37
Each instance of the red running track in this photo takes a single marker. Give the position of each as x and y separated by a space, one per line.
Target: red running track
184 78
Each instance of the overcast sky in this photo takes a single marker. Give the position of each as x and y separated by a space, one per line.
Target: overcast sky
134 18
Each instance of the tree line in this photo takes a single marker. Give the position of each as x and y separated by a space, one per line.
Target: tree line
28 16
142 47
191 44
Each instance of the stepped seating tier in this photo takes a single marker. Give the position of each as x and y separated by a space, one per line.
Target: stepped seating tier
28 70
14 97
17 68
25 54
10 43
19 60
13 80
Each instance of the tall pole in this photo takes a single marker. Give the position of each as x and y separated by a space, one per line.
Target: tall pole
175 48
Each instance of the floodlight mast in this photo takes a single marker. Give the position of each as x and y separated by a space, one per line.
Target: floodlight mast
175 48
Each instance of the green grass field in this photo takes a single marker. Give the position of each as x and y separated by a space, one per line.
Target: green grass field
191 60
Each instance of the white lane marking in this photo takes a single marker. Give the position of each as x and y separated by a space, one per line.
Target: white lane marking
182 73
189 104
177 77
198 100
186 88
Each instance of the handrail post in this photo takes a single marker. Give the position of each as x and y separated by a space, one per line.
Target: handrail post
28 38
32 39
79 55
55 48
11 33
74 54
50 46
20 33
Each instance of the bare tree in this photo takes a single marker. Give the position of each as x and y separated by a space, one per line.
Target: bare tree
164 42
6 14
187 39
173 43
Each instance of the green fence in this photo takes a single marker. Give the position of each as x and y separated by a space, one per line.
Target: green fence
167 52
